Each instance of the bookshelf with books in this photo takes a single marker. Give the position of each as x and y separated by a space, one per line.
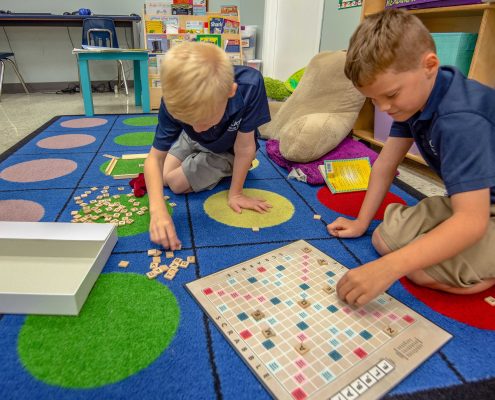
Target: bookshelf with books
474 18
165 27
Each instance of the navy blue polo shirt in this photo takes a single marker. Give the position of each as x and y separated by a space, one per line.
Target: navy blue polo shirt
245 112
455 132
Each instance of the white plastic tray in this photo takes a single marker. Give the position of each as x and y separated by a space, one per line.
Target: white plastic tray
50 267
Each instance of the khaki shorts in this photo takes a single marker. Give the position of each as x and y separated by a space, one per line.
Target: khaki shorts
202 168
403 224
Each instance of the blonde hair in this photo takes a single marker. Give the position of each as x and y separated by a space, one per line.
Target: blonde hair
196 80
391 39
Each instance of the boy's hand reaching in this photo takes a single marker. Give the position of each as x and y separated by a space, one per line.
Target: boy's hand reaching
162 231
346 228
361 285
240 201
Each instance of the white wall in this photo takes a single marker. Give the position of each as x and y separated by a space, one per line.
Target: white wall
338 26
292 35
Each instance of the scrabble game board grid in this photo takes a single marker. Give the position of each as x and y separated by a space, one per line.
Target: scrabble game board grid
287 373
274 284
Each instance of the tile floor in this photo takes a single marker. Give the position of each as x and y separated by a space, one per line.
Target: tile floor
21 114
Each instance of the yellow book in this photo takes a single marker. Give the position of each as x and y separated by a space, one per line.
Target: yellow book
347 175
155 26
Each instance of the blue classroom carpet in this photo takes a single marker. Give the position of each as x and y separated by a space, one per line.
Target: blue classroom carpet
148 339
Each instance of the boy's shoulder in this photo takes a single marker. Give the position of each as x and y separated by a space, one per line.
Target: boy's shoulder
466 96
244 75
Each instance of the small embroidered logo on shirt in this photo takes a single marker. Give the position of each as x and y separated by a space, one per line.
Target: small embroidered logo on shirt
234 126
432 148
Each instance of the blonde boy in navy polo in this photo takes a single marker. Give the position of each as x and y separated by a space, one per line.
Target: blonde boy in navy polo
207 130
444 243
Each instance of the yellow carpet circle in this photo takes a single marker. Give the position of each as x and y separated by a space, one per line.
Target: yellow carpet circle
217 208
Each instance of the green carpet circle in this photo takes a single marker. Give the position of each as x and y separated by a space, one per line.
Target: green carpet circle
135 139
141 121
217 208
141 222
124 326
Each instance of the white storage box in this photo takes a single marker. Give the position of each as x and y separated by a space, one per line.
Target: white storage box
50 267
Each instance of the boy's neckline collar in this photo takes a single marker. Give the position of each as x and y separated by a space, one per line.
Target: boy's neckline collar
442 83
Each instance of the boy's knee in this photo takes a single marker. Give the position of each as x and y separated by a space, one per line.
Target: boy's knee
421 278
176 185
379 244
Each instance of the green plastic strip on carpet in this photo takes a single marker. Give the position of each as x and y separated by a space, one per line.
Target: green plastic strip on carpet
125 324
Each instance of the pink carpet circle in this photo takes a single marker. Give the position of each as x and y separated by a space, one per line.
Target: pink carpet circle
38 170
21 210
84 122
66 141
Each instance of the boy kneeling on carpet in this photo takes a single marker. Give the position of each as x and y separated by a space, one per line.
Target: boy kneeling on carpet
207 129
444 243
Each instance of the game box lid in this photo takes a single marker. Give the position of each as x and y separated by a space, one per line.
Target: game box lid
50 267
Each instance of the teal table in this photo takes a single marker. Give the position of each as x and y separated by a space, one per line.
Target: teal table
141 89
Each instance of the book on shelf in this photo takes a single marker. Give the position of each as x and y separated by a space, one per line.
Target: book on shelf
182 9
346 175
154 63
229 10
157 43
154 82
214 39
230 26
216 25
174 40
199 10
219 25
232 45
158 7
154 26
195 27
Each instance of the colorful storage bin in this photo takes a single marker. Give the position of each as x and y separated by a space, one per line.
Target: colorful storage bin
456 48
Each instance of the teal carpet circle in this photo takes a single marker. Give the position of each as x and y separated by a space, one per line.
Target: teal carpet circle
125 324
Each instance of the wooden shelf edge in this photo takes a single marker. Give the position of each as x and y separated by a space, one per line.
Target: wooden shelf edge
467 9
368 136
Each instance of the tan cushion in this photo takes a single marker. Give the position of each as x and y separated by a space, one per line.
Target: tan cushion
319 114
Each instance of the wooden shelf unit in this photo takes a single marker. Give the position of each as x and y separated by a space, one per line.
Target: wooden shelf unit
156 92
474 18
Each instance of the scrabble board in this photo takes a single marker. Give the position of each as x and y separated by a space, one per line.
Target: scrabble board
281 313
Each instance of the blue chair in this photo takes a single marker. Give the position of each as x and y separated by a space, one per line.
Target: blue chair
101 32
6 57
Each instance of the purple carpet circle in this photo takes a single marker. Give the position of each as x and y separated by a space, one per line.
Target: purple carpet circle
69 141
21 210
84 122
38 170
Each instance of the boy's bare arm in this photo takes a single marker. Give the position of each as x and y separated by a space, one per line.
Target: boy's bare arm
244 153
466 226
382 175
162 229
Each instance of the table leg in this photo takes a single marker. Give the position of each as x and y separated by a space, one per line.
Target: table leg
137 82
145 89
86 88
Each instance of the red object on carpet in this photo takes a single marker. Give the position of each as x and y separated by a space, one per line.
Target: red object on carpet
138 185
350 203
469 309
